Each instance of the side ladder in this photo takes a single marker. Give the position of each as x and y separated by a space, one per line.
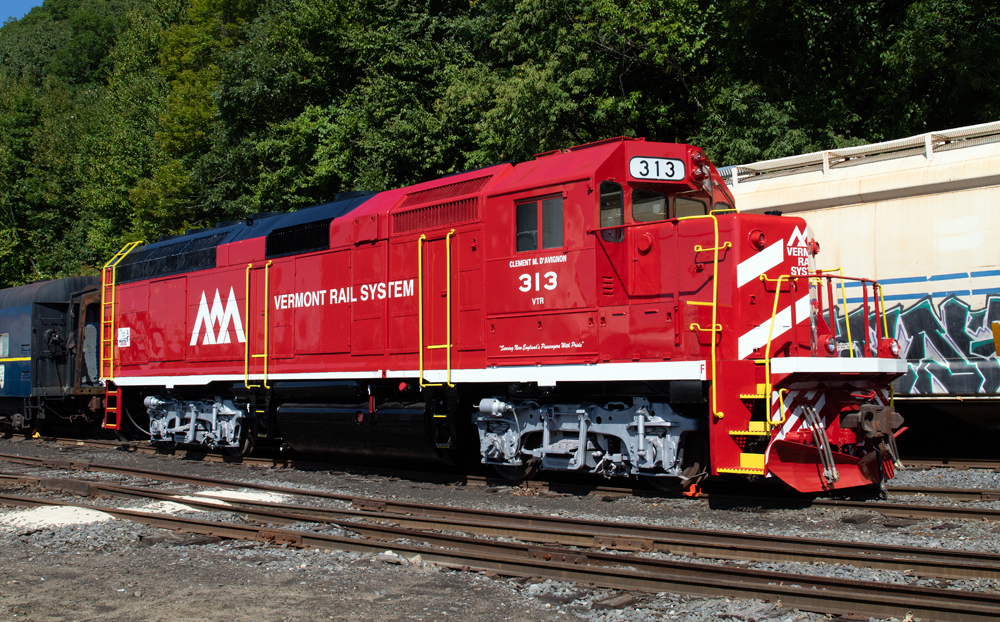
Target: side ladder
112 399
112 407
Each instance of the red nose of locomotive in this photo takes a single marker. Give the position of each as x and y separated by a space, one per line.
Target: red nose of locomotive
818 412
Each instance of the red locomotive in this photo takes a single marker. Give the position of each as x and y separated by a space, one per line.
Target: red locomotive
600 309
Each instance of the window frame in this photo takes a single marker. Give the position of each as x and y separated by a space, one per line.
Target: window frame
666 200
542 242
616 234
704 206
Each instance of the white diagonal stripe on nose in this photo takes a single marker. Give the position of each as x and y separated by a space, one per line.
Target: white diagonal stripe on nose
757 337
749 269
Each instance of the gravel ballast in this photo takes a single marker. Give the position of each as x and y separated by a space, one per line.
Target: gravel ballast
118 570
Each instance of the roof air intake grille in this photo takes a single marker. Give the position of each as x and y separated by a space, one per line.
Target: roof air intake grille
434 216
441 193
184 255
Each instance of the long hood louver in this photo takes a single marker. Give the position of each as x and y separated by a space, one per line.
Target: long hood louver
436 210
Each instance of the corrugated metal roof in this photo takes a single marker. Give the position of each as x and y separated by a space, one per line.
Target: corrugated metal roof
852 156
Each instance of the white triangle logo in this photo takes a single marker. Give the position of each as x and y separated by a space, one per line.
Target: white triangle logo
798 238
208 317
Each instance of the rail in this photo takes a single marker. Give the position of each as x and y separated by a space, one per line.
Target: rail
434 527
108 302
878 301
447 346
247 355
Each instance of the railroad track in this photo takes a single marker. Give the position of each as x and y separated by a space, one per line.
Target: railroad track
951 463
557 487
563 531
428 531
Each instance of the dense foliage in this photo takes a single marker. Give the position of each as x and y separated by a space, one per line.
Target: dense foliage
127 119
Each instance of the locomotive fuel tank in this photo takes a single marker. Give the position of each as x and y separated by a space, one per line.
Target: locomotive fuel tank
394 431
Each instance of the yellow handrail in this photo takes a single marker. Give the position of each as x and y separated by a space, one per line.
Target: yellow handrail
246 344
885 332
716 327
770 333
109 321
843 299
885 323
420 310
781 409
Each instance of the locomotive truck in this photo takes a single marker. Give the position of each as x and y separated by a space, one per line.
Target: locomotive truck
600 309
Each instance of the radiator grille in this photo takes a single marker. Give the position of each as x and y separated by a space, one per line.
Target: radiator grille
434 216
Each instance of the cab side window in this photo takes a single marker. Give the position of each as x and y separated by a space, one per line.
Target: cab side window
528 226
552 223
648 206
684 207
612 211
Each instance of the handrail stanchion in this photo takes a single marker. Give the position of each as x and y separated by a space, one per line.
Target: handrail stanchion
420 309
831 313
847 317
716 327
247 354
885 318
864 301
447 346
770 335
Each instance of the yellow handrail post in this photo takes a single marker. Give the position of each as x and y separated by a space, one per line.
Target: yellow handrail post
420 311
247 355
246 332
716 327
885 322
767 350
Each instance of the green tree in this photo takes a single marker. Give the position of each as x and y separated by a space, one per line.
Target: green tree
944 65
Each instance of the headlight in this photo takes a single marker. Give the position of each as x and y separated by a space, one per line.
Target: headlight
888 348
831 345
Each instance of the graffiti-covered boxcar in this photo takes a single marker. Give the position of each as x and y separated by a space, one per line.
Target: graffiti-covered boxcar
930 204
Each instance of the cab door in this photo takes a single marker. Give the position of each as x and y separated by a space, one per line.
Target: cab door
612 246
612 263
